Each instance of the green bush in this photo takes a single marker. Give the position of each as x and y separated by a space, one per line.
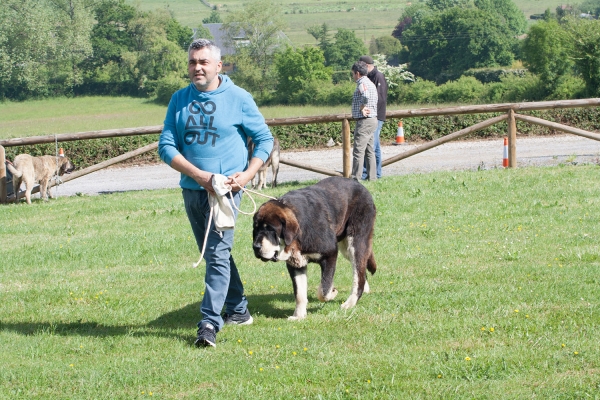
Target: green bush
166 86
466 89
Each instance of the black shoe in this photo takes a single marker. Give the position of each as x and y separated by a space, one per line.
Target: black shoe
238 319
206 335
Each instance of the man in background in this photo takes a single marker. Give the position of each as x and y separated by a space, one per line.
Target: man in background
380 83
364 112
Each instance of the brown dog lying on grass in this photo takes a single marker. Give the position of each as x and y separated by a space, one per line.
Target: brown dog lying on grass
31 170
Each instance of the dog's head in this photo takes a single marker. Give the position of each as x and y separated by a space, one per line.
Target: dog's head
65 166
275 228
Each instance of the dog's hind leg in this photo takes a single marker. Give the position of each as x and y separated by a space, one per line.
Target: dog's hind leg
44 189
326 291
358 259
300 283
275 167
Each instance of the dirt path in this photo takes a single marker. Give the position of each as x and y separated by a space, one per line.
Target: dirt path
466 155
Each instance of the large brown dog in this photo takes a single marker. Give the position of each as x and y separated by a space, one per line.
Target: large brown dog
308 224
30 170
259 181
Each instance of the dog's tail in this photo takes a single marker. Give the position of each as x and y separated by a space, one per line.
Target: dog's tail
371 265
16 173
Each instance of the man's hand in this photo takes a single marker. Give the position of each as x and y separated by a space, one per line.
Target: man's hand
242 178
365 112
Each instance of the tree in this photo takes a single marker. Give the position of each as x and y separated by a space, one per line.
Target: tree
546 52
345 50
388 45
27 43
74 22
507 11
261 23
299 68
413 13
443 45
213 18
585 38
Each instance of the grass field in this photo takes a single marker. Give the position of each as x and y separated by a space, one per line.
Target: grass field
368 19
487 287
83 114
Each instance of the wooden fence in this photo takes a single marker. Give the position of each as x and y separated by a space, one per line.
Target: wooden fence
509 109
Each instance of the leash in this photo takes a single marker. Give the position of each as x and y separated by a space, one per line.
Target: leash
57 179
210 215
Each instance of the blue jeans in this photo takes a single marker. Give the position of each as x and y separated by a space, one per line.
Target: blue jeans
222 280
377 146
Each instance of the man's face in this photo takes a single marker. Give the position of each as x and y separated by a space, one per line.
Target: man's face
370 67
203 69
355 75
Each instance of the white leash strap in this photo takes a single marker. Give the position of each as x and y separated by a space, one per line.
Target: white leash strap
210 215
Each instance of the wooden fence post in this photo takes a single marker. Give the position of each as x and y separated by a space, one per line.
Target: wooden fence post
347 158
2 176
512 139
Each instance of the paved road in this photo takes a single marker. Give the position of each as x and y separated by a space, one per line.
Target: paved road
462 155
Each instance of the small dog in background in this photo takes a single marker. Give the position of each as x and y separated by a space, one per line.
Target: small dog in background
31 170
260 179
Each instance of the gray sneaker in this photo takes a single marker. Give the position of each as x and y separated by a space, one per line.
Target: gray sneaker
206 335
238 319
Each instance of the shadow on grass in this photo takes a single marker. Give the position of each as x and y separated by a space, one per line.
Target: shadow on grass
177 324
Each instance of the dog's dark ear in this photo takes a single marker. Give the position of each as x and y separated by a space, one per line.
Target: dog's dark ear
291 229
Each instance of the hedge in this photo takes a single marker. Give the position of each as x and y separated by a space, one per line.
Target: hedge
312 136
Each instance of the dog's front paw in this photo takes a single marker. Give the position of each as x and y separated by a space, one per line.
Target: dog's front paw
351 302
326 297
298 315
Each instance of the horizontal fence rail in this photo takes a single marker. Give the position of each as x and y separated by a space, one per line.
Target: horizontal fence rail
421 112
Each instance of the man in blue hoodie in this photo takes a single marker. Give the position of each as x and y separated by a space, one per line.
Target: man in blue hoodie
205 133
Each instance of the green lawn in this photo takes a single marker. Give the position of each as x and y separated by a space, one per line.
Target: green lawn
487 287
83 114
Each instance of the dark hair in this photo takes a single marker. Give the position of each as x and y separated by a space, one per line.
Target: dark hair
360 67
202 43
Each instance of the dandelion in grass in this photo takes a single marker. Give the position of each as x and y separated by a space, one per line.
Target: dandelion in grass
260 369
491 329
440 376
483 328
277 367
467 358
250 352
294 353
305 349
277 346
575 352
368 381
516 311
239 340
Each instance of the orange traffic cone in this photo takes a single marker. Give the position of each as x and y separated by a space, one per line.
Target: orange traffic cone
400 134
61 152
505 157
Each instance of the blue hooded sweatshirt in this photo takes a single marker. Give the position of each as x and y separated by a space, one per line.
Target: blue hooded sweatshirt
210 130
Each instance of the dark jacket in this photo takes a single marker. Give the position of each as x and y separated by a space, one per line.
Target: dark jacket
379 80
